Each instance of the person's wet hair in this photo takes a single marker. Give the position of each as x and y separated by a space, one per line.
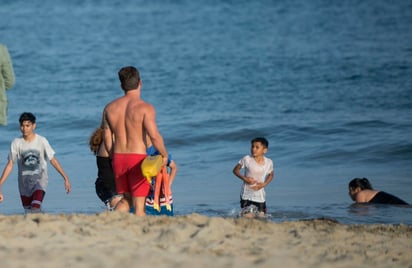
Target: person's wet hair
362 183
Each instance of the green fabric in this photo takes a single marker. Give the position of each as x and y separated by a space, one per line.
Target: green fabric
6 81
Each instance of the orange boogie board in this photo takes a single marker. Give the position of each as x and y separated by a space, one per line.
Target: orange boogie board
159 201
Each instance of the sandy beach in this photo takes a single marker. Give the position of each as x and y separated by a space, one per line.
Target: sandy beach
115 239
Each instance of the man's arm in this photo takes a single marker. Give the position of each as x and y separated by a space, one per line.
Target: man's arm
108 135
149 124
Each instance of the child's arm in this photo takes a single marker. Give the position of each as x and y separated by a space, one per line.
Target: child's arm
237 173
59 169
6 172
173 171
261 185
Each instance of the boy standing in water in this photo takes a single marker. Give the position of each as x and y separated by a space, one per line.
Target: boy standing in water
258 172
31 152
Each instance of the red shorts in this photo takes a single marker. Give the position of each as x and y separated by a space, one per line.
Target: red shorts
128 173
34 201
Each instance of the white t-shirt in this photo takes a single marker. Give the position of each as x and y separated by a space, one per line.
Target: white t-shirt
258 172
32 163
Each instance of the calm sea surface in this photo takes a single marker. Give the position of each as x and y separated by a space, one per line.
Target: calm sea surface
329 85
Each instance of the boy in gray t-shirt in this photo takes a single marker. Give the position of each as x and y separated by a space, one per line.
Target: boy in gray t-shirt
31 151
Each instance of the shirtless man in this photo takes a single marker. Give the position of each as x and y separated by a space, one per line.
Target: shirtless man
126 121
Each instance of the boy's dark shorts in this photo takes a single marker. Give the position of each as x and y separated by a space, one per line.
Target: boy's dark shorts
260 206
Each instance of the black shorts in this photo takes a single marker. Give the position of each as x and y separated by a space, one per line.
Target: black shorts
261 206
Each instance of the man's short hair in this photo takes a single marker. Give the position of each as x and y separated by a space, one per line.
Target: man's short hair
129 78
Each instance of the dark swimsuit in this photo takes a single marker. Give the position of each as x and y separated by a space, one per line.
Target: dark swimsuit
260 205
385 198
105 182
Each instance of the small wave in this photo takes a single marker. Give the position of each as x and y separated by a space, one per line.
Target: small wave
372 154
368 124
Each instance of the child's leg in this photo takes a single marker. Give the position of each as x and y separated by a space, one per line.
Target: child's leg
114 201
261 206
26 201
37 199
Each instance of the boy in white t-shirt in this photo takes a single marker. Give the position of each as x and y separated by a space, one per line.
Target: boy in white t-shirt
31 151
258 172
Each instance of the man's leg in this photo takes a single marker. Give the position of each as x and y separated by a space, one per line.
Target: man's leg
139 203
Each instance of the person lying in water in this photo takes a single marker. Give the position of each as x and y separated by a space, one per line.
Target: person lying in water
361 191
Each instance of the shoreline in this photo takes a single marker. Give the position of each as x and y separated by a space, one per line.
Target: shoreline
109 239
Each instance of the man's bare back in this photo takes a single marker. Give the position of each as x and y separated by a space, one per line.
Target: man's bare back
125 116
126 121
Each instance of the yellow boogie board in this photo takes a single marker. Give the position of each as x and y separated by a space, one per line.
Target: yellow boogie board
151 166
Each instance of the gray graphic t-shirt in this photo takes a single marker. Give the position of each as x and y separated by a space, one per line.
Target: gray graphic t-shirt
32 163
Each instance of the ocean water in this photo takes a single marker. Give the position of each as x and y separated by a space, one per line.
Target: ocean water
328 84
